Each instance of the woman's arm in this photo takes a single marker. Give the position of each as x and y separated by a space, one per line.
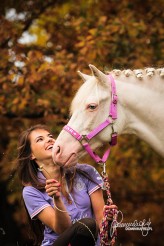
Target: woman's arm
58 221
56 218
99 206
97 202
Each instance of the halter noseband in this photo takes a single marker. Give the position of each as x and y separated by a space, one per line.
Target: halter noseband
84 139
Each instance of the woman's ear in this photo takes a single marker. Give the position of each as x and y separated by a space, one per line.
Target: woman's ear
32 157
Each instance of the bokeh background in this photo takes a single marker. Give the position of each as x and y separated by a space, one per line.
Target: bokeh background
42 45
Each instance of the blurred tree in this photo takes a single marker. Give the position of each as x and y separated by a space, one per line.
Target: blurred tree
42 45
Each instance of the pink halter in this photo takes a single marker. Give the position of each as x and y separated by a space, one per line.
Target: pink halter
113 114
98 129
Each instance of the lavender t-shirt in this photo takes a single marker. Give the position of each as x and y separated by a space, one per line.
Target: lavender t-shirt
36 200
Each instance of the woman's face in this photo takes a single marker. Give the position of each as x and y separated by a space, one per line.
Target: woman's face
41 145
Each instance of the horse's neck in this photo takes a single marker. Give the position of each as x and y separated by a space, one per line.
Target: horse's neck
141 110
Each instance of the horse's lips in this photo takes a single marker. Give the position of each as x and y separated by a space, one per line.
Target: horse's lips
71 161
73 158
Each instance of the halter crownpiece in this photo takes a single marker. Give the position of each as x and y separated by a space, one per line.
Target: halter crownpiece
84 139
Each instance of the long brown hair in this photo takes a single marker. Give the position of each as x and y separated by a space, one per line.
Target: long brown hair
27 173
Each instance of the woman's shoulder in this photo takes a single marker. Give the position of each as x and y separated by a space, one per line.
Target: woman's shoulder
94 179
35 200
30 190
90 170
85 167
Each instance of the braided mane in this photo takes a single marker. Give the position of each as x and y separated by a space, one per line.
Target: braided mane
140 73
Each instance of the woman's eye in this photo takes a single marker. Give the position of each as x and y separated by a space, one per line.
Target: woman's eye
92 106
39 139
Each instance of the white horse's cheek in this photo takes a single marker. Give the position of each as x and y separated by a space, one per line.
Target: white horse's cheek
79 119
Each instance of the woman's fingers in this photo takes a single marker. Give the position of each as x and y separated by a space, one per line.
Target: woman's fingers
54 193
52 183
109 211
113 206
53 187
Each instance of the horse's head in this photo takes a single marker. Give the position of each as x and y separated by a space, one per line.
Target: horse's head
89 108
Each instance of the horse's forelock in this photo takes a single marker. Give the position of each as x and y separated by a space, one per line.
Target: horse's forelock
88 88
83 93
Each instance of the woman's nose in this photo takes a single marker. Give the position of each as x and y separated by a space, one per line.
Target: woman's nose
49 140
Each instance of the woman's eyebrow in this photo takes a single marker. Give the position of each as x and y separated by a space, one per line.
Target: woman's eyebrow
38 137
41 136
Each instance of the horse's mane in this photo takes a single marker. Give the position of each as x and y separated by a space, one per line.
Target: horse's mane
150 78
139 73
144 76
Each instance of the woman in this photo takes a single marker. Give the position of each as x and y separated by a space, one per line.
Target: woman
69 203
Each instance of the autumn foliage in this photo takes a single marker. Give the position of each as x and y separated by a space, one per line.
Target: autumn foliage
39 78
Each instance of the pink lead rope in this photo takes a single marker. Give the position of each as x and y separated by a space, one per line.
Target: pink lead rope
84 140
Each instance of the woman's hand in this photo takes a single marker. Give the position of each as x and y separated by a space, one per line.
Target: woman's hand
109 210
53 188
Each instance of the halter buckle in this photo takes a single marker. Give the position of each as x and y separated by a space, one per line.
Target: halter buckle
104 168
103 165
83 139
113 137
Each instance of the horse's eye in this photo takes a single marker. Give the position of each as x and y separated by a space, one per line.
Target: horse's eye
92 106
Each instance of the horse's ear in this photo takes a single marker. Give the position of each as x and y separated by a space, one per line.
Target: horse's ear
84 76
98 74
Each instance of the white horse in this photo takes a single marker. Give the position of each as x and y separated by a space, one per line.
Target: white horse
140 111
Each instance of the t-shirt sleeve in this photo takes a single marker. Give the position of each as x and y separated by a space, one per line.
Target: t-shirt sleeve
97 182
34 201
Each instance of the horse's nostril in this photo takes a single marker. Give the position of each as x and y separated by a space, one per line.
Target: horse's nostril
58 150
